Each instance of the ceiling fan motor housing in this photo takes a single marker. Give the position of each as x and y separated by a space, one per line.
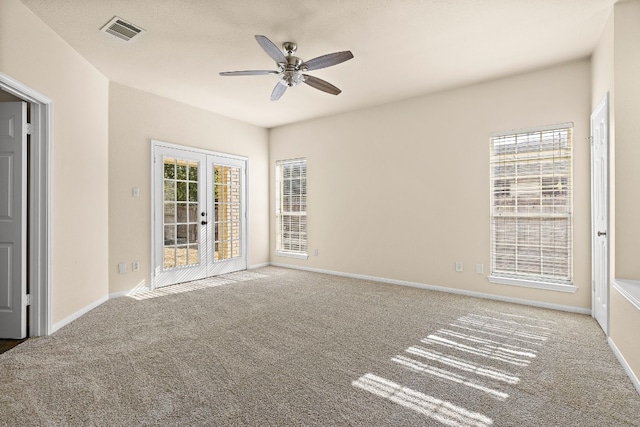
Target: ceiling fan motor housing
293 69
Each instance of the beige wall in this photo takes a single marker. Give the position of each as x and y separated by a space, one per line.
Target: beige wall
602 83
627 128
136 117
401 191
624 322
624 317
31 53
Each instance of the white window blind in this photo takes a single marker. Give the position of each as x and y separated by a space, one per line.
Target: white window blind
291 206
531 205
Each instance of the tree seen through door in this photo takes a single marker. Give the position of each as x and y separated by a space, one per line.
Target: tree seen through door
181 241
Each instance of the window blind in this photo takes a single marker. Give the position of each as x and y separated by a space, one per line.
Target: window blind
291 206
531 205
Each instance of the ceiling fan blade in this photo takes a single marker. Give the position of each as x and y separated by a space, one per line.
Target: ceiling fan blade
272 50
328 60
248 73
278 91
321 85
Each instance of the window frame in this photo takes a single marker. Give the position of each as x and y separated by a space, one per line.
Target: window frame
518 278
280 212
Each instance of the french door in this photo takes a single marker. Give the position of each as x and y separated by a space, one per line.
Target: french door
199 214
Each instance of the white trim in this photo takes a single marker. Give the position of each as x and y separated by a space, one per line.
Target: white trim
253 267
118 294
40 198
155 142
78 314
19 90
625 365
291 161
482 295
128 293
630 289
549 286
297 255
531 129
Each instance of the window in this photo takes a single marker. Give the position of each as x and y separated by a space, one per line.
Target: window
531 208
291 208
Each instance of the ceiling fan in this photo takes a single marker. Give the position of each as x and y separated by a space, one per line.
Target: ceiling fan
291 69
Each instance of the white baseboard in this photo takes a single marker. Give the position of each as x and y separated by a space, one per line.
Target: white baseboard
559 307
119 294
77 314
625 365
264 264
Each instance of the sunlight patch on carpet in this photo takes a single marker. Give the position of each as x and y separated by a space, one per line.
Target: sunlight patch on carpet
423 368
440 410
480 352
209 282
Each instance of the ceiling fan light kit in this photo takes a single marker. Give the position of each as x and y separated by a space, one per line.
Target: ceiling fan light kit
291 69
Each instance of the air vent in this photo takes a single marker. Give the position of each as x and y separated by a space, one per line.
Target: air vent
122 29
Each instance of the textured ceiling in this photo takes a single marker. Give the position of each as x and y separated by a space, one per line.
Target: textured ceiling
402 48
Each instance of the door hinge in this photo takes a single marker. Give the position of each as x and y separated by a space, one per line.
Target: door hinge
593 285
27 300
28 128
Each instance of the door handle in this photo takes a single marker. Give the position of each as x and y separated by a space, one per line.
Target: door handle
203 222
602 233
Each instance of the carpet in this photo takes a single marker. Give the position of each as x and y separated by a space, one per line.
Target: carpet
280 347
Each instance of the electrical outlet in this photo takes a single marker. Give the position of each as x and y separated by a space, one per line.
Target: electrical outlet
459 266
136 265
315 253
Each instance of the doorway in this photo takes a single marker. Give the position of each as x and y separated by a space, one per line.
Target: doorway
198 214
600 213
35 290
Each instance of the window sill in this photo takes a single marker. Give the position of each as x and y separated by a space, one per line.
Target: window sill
297 255
630 289
531 284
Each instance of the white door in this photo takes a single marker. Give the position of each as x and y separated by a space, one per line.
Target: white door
226 215
13 224
600 213
199 215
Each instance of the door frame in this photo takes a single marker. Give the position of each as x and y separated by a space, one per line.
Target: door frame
603 104
157 143
39 199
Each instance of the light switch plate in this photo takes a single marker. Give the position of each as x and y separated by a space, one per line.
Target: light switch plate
122 267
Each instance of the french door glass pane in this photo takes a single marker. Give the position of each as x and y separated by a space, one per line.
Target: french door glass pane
181 237
227 218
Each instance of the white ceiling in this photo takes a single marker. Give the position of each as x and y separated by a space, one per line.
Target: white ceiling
402 48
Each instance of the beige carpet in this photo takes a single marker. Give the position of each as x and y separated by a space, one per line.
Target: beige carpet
289 348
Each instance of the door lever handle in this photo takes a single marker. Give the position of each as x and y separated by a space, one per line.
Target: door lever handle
602 233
